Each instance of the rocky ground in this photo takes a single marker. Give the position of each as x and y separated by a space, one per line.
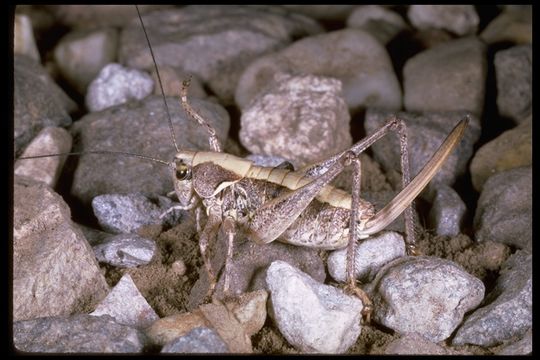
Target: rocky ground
96 268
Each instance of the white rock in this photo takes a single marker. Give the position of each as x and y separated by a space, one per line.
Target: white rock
126 305
125 250
459 19
377 20
23 37
371 254
313 317
116 85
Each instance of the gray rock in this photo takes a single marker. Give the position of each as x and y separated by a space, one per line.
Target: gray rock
300 118
426 132
504 212
447 212
80 55
24 42
323 12
215 43
507 310
249 266
313 317
117 85
377 20
521 347
77 334
121 214
93 236
138 128
459 19
126 251
50 140
426 295
415 344
54 269
371 254
513 69
363 66
126 305
447 77
198 340
513 25
511 149
38 102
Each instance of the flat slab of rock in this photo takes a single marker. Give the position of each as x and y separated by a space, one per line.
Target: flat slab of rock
313 317
426 295
77 334
447 77
508 309
138 128
54 269
126 305
363 66
504 212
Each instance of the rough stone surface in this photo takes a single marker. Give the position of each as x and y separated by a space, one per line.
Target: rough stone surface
38 102
377 20
80 55
323 12
249 266
513 70
459 19
427 295
504 211
426 132
24 42
521 347
313 317
126 305
363 66
50 140
54 269
77 334
370 255
116 85
300 118
447 212
447 77
120 214
172 79
126 250
507 310
514 25
415 344
511 149
198 340
215 43
138 128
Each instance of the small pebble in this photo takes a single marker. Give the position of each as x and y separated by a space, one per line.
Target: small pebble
126 251
447 212
178 267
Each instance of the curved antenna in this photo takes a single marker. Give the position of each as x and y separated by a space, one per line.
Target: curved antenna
105 152
159 80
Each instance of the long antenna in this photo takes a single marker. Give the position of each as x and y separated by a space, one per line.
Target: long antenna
149 158
159 80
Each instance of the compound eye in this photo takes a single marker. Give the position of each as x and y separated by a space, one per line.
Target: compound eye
183 172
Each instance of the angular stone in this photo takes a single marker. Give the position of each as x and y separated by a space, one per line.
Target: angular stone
126 251
514 25
447 77
371 254
116 85
511 149
459 19
313 317
504 211
126 305
507 310
447 212
301 118
54 269
363 66
198 340
426 295
50 140
80 55
77 334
